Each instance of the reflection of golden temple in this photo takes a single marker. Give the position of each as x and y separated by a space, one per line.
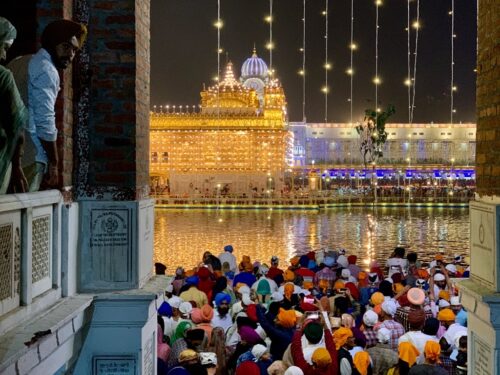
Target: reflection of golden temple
237 142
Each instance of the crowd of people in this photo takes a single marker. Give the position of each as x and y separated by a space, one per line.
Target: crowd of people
323 314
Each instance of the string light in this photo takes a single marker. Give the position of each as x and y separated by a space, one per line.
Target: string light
327 65
376 79
302 72
350 71
270 44
452 67
410 82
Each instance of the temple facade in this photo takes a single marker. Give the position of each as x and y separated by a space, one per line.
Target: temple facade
236 141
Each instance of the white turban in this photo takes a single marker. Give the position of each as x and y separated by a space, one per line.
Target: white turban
258 350
174 301
389 307
439 277
383 335
370 318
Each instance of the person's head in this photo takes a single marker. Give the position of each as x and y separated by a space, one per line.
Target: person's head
462 343
195 338
399 252
261 353
275 261
416 319
408 353
446 317
206 256
432 352
286 318
313 332
62 39
431 327
344 337
208 359
188 357
412 257
7 35
440 280
388 309
222 301
321 358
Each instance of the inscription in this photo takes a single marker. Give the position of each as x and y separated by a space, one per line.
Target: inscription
482 357
114 365
109 228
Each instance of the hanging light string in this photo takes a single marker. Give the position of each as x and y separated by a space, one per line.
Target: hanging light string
411 80
327 65
271 45
452 67
350 71
414 78
218 25
376 80
408 74
303 71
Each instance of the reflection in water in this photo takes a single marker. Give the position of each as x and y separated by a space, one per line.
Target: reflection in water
181 236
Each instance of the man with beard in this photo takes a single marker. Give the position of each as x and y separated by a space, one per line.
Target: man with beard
61 40
221 317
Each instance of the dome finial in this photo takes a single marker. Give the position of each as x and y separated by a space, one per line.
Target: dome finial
254 50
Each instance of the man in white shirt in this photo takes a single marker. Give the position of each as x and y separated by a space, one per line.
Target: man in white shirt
221 317
227 256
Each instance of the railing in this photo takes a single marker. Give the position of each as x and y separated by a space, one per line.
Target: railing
30 252
313 200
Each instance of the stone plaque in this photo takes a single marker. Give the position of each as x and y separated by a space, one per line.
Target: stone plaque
110 244
483 244
482 356
115 365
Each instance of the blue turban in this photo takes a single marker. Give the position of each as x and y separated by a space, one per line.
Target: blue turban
165 310
228 248
304 261
222 297
312 264
7 31
329 261
193 280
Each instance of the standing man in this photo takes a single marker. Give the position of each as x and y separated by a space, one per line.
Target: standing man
61 40
13 117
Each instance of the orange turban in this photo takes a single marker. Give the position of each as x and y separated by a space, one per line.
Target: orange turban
339 284
446 315
377 298
408 353
287 318
288 290
361 361
341 335
444 295
289 275
321 358
294 261
422 274
432 351
398 287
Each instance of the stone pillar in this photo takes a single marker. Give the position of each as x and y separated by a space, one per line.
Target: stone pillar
481 293
112 145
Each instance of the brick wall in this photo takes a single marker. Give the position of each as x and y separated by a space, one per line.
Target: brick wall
488 99
113 119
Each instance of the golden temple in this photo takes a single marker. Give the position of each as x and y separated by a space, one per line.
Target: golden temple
237 142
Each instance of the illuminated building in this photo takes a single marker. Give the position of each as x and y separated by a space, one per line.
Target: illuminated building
236 141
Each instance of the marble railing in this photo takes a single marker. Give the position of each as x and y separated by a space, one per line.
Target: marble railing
30 254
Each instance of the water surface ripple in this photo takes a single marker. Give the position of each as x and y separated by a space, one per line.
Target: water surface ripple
181 236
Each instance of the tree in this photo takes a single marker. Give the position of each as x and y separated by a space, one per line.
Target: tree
373 135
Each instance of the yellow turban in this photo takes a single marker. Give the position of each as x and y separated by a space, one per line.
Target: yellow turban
446 315
361 361
432 351
321 358
339 284
341 335
287 318
289 275
377 298
398 287
444 295
408 353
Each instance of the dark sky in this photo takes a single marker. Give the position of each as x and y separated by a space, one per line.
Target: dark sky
184 43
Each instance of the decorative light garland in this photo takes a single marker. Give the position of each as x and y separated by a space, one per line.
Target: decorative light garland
303 71
411 80
327 65
350 71
376 80
453 88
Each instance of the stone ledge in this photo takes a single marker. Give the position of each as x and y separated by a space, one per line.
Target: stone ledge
67 312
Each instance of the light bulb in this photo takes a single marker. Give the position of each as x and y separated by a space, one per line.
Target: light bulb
416 25
328 66
268 19
407 82
350 71
353 46
218 24
377 80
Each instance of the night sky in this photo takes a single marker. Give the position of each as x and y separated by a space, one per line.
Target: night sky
184 44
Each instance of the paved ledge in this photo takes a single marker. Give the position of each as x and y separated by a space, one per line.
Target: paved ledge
64 319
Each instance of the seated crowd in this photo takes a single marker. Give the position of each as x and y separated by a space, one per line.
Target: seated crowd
321 315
